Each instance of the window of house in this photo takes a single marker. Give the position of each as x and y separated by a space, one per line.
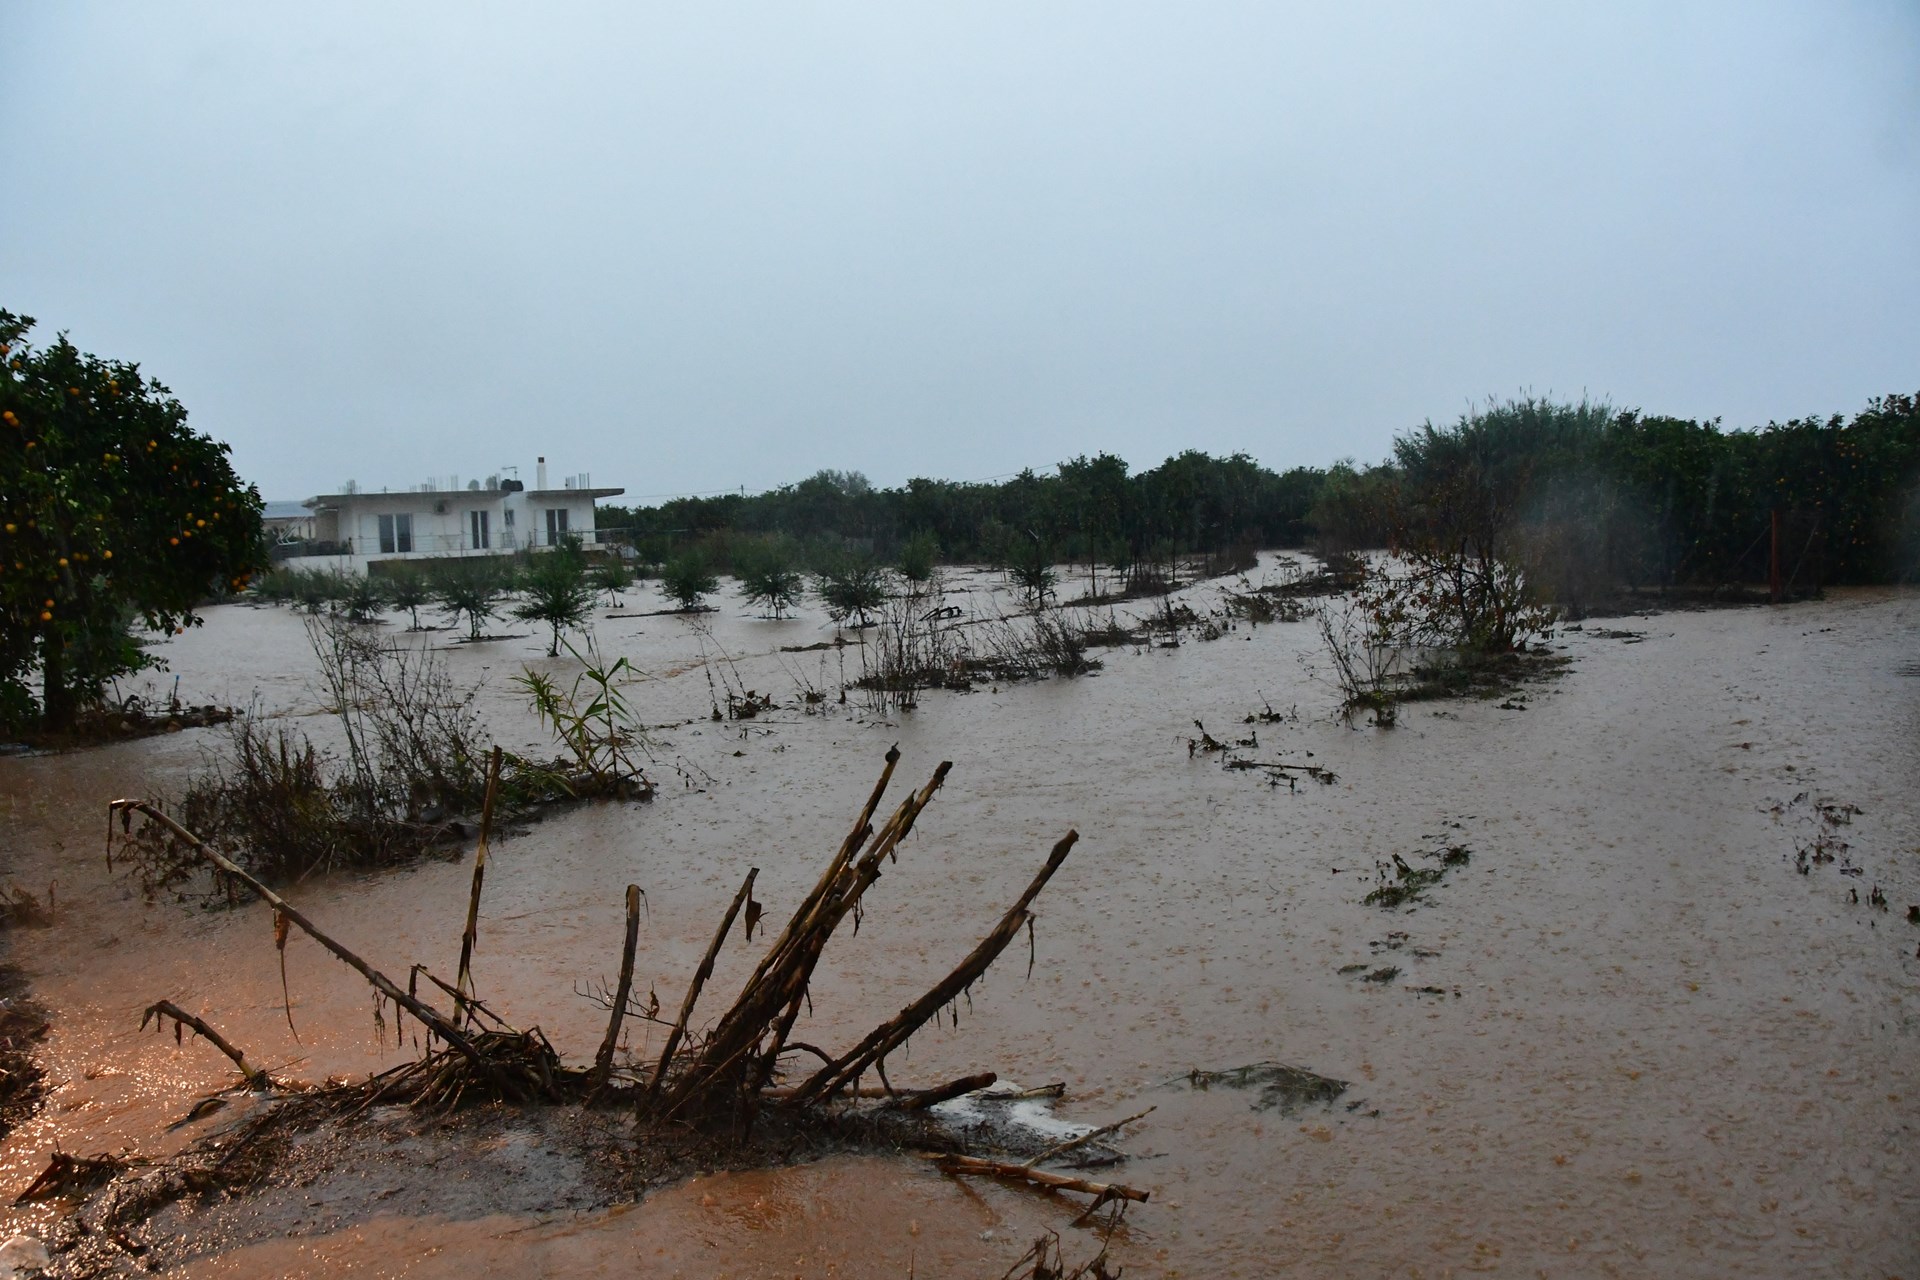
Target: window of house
556 525
478 527
396 535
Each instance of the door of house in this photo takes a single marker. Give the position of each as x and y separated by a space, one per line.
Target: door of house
556 526
481 536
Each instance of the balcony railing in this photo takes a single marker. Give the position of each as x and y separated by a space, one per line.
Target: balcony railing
445 544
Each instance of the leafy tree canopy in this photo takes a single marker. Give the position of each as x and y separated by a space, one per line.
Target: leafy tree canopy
111 509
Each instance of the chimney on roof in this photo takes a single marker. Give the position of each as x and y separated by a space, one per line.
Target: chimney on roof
540 474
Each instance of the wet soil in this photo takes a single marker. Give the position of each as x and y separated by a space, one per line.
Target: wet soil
1628 1037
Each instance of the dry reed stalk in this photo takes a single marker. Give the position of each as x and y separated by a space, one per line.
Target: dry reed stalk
160 1010
862 828
603 1063
700 977
463 976
738 1059
889 1035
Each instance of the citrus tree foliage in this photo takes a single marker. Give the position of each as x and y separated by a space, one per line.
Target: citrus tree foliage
112 510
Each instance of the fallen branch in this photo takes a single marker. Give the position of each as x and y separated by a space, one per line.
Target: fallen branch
429 1017
1071 1144
921 1099
160 1010
1101 1191
67 1175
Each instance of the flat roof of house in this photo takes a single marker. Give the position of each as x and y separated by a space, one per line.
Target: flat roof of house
336 499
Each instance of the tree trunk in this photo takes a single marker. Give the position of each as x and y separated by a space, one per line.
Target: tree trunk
56 697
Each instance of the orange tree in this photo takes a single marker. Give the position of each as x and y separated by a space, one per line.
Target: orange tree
112 511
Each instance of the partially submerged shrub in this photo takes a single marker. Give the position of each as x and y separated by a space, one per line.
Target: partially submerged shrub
686 579
853 587
1405 632
282 808
556 592
1030 565
413 772
470 587
1367 636
919 556
914 645
1050 642
612 575
769 576
592 720
362 597
409 589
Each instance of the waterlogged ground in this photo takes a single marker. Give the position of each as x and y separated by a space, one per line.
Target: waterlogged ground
1626 1037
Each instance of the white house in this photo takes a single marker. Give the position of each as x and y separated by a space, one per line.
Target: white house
499 516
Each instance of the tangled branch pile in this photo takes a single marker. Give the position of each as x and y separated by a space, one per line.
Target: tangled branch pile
715 1082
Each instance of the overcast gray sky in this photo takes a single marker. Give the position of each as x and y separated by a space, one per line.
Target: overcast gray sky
695 247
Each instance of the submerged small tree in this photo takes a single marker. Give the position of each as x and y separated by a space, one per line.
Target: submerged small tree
919 557
1030 564
686 579
112 511
363 597
855 588
470 587
769 577
408 588
557 593
611 575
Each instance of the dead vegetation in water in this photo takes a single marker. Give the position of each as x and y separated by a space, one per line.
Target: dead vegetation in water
1234 755
1820 842
1486 676
1279 1086
919 643
713 1084
1403 884
413 776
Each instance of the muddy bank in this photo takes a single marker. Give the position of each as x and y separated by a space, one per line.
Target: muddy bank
1670 1052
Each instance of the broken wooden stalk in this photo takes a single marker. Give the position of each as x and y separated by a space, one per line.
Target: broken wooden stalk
603 1064
463 976
888 1036
700 977
160 1010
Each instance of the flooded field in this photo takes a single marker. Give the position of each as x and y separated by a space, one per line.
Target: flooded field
1624 1036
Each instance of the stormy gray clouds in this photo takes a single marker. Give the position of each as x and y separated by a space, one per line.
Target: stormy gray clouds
707 246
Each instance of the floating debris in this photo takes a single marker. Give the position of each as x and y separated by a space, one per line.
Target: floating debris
1283 1088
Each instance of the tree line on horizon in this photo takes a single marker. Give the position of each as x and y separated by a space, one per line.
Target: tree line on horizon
1589 499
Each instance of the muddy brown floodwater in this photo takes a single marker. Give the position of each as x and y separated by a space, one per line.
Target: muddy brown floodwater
1627 1038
